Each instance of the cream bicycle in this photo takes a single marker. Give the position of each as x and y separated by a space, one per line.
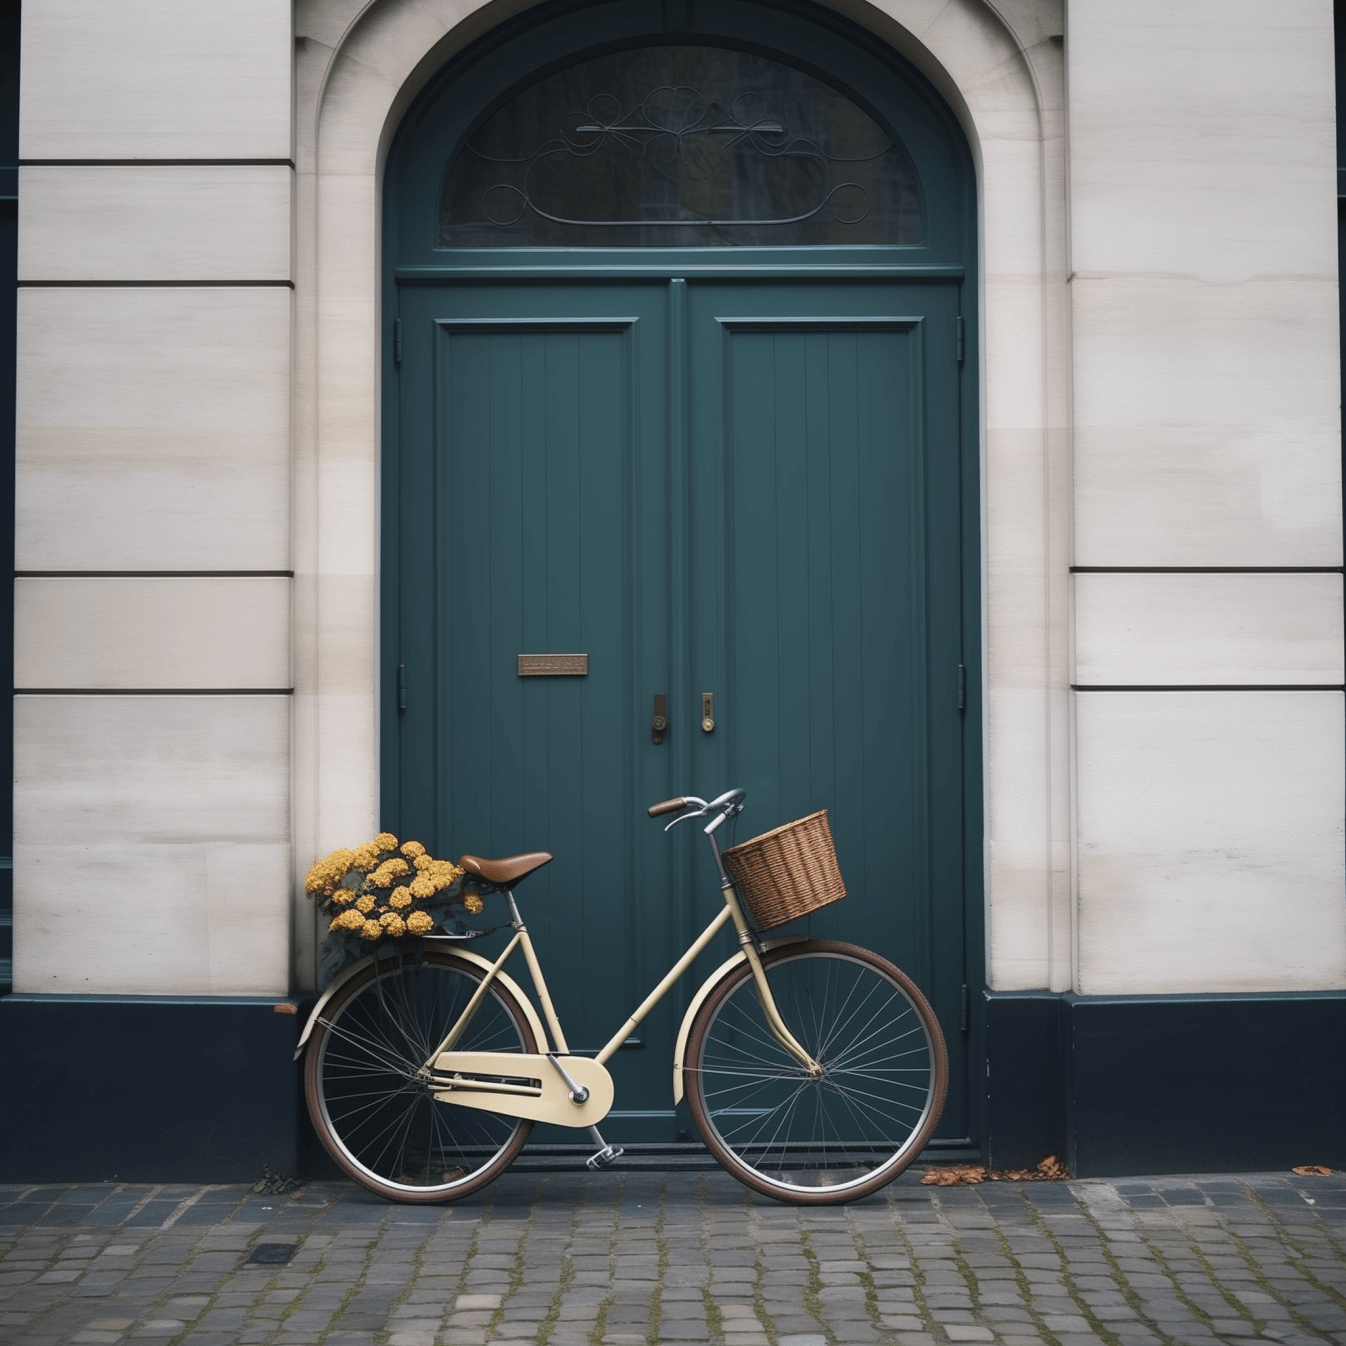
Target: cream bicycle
815 1071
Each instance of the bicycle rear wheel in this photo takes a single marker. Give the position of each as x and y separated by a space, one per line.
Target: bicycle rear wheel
847 1133
373 1110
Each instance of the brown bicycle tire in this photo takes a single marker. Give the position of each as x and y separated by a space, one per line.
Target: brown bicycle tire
339 1152
744 1172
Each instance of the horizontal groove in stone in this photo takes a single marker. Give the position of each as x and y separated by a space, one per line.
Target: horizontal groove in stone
1211 687
154 691
151 284
156 163
152 574
1205 570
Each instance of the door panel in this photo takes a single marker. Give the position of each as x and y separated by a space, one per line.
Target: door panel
825 412
746 489
545 445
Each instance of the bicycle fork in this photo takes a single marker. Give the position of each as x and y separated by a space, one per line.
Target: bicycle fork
748 942
774 1022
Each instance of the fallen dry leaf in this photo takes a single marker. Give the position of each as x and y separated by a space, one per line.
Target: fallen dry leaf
1051 1169
956 1176
1312 1171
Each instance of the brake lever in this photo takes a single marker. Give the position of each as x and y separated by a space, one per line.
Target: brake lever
687 817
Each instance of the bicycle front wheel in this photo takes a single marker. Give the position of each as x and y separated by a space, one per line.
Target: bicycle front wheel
370 1100
855 1128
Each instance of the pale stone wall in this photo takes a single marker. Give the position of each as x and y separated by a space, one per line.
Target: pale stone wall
1207 434
1158 363
152 726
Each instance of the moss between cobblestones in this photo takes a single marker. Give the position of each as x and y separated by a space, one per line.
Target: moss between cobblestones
417 1264
1228 1296
1081 1303
918 1283
1124 1287
866 1276
758 1266
346 1299
515 1271
714 1318
657 1298
965 1268
471 1250
813 1291
1025 1289
1264 1282
567 1278
1290 1242
214 1294
1183 1297
600 1326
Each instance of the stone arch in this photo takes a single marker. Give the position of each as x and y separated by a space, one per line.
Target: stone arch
359 66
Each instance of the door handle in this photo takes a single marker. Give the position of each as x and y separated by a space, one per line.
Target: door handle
707 711
659 724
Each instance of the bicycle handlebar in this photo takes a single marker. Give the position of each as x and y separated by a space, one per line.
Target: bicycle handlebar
668 806
727 805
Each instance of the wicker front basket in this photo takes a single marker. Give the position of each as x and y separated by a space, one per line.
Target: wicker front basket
787 873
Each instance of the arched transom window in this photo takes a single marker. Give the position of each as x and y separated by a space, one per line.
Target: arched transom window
679 146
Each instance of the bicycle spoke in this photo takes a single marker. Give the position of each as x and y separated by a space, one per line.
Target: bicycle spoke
859 1118
375 1108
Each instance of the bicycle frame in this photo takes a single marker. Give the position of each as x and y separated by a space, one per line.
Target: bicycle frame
732 911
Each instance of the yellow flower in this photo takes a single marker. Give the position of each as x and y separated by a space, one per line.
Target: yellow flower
372 930
423 861
389 870
365 903
473 902
401 897
393 924
411 849
422 886
385 841
366 856
348 920
443 873
326 874
343 895
419 923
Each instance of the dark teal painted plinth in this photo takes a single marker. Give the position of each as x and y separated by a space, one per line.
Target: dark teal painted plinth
136 1089
1166 1084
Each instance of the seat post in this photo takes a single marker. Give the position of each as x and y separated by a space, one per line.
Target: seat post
539 981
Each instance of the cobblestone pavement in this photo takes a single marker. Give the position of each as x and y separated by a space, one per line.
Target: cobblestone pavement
582 1260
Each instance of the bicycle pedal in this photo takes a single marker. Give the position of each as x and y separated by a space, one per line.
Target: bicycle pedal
605 1158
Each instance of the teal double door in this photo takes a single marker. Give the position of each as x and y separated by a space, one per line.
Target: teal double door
747 492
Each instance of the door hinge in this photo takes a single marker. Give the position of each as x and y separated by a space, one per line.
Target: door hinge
401 686
958 339
962 687
397 341
964 1006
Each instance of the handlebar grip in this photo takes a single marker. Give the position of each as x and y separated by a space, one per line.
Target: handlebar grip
668 806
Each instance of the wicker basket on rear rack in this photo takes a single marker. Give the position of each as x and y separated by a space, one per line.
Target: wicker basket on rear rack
788 872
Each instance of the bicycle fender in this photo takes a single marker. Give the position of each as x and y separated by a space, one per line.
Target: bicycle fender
700 998
485 964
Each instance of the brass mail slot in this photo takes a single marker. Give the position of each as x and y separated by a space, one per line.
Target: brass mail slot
553 665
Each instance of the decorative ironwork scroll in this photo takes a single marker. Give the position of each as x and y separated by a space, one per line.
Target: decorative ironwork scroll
679 146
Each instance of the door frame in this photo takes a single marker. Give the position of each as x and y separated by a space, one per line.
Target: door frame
527 47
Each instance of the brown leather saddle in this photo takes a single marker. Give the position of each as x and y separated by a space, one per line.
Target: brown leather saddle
507 872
